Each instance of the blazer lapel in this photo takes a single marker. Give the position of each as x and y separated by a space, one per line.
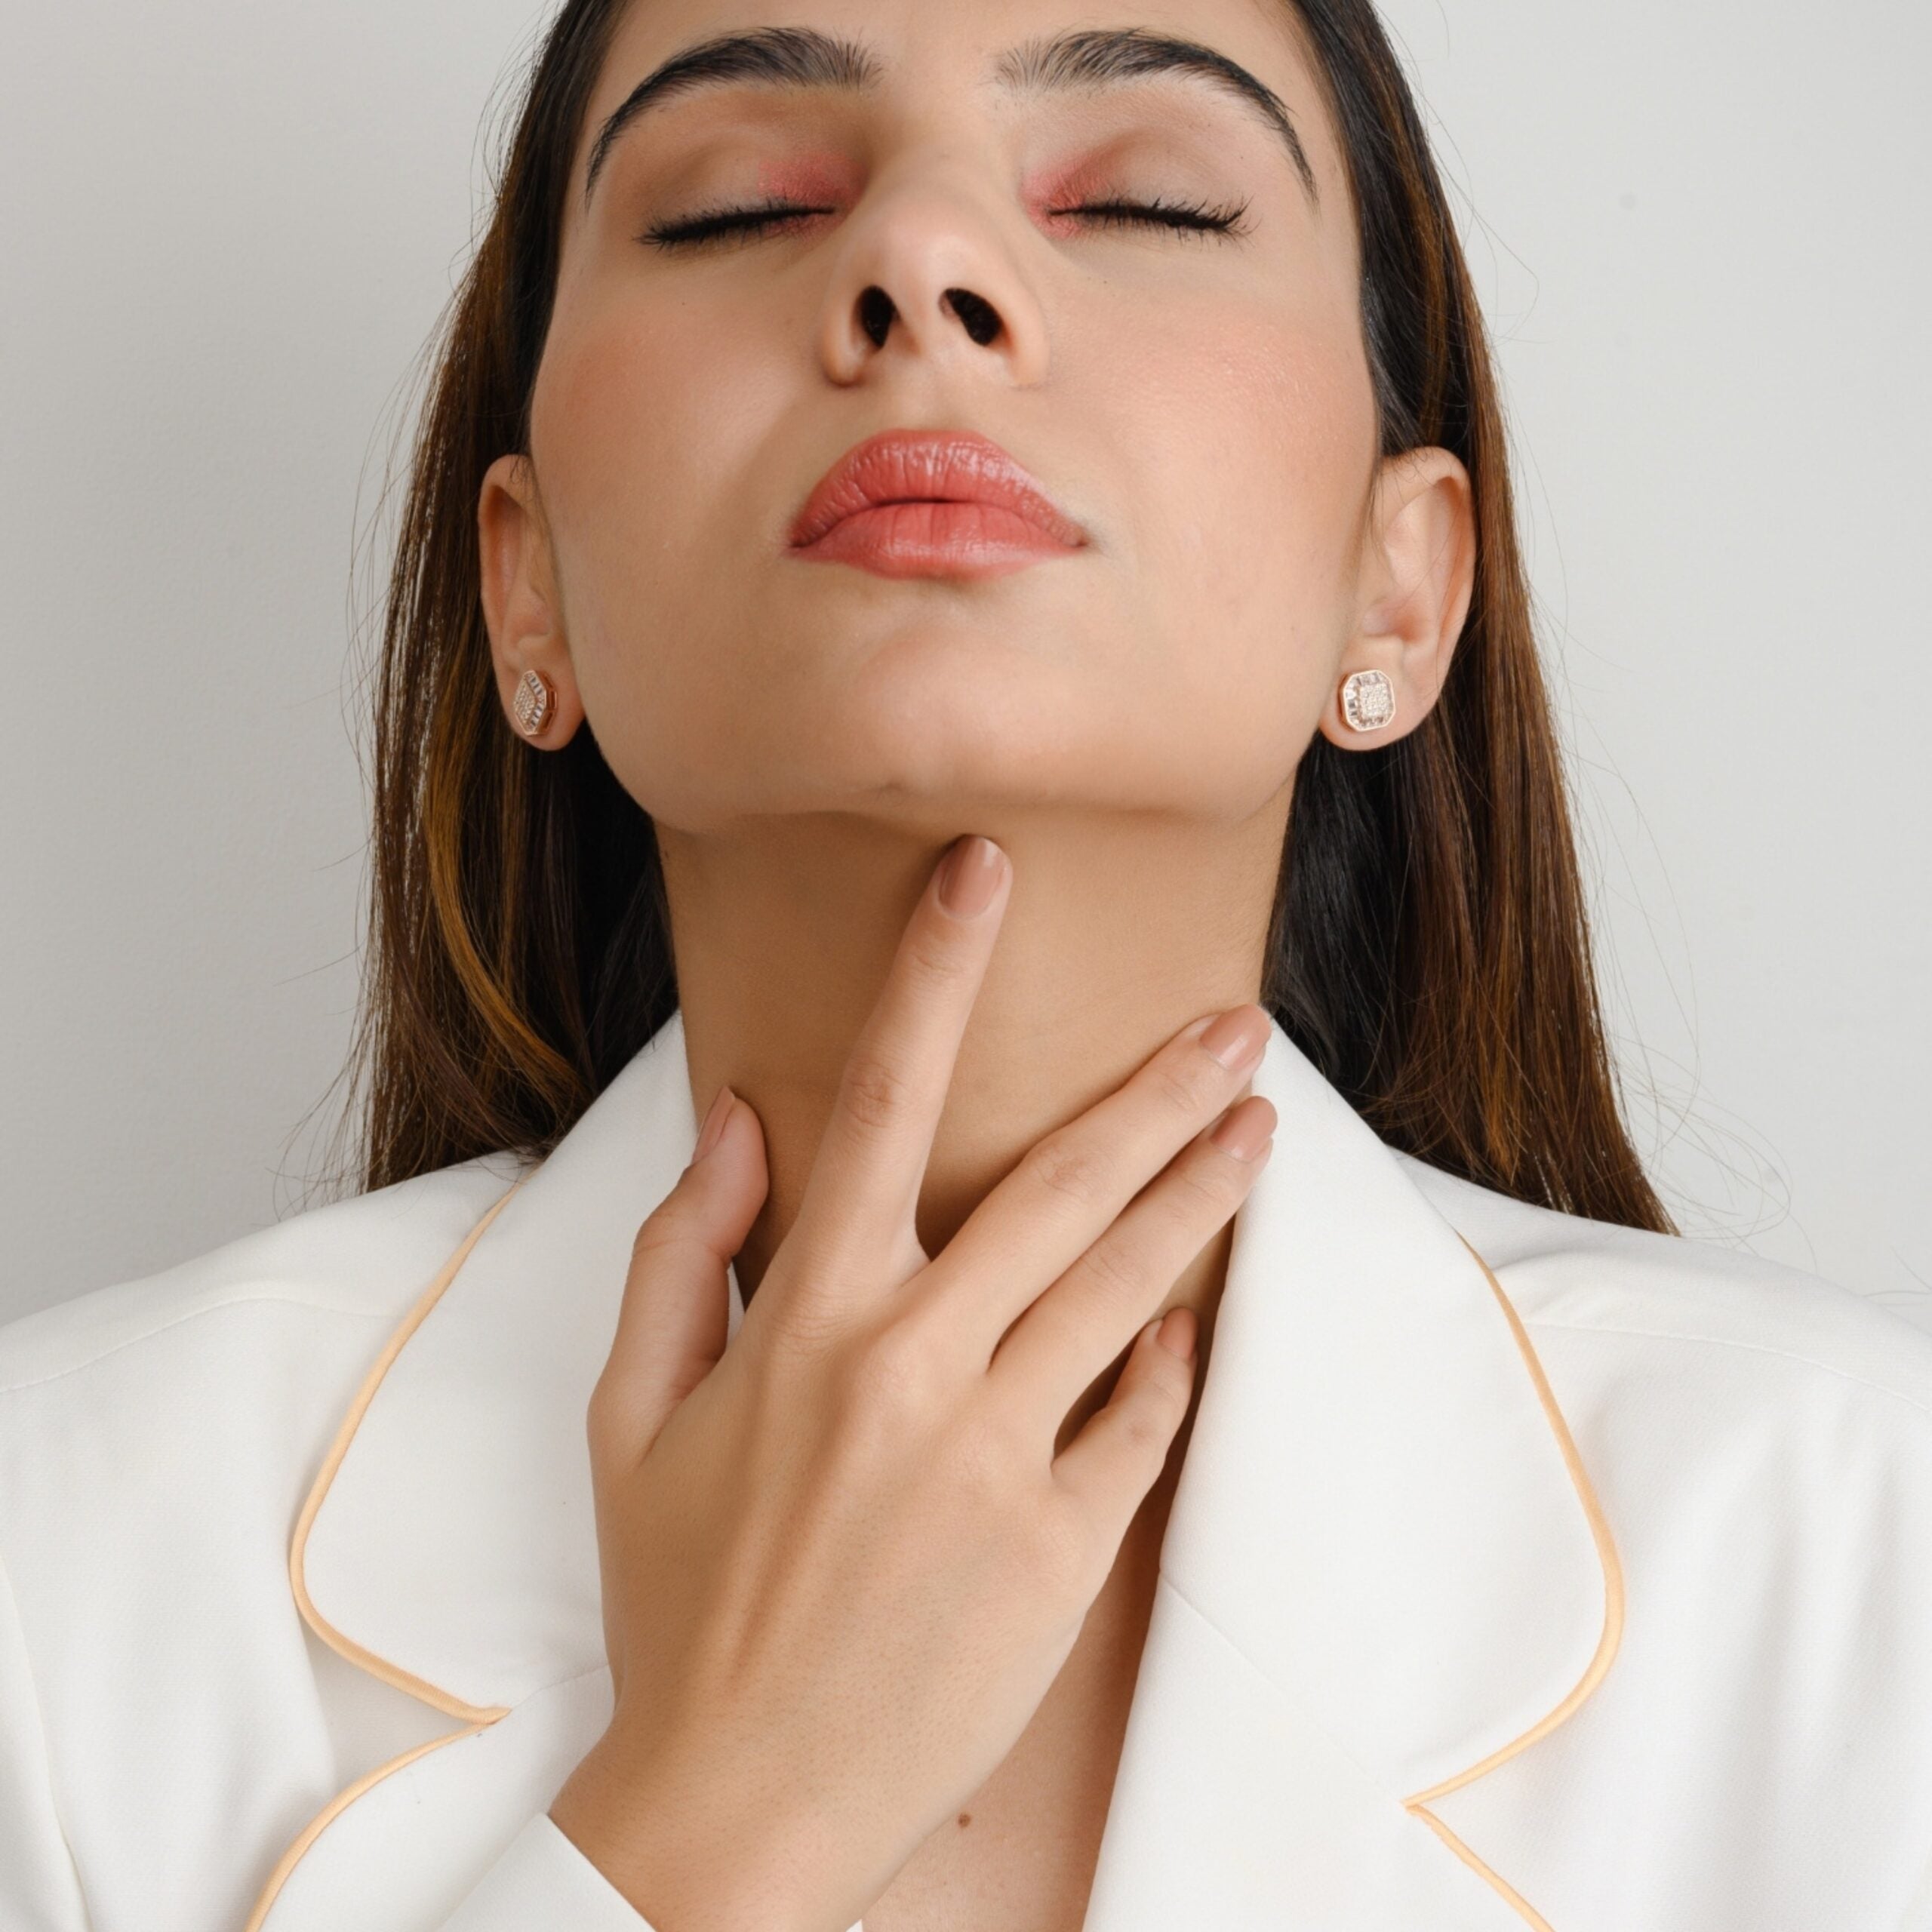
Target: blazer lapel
1384 1572
456 1540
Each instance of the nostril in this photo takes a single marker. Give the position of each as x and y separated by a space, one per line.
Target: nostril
981 319
876 315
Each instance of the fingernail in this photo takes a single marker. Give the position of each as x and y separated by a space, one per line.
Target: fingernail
1238 1037
1245 1130
969 877
714 1125
1177 1332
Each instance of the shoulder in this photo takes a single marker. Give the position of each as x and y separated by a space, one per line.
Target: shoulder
157 1437
1757 1443
167 1428
351 1262
1627 1297
1759 1438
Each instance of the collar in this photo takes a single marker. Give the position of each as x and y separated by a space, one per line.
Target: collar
1382 1528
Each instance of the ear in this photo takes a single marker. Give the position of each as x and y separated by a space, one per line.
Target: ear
519 605
1418 580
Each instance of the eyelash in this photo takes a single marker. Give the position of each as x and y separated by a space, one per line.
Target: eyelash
746 223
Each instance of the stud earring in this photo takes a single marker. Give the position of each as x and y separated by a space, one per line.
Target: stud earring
533 703
1368 701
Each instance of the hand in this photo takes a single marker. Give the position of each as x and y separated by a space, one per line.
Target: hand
842 1562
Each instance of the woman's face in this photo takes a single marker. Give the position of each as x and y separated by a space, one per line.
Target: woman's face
1196 400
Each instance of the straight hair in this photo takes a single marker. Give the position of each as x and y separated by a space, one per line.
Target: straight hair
1428 949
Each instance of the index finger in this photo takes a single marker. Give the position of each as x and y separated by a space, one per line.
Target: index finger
861 1197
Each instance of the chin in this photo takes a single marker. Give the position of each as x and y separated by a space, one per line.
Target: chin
920 763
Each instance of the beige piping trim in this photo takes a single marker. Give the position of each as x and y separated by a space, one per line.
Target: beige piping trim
1607 1645
477 1716
323 1819
1530 1914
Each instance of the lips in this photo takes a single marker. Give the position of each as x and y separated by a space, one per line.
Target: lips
941 503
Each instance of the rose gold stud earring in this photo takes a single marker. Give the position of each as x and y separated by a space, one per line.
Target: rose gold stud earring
533 703
1368 701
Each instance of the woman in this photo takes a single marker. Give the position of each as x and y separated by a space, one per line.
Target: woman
983 542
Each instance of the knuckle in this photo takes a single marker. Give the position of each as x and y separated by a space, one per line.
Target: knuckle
801 1324
1117 1270
1061 1164
597 1413
604 1423
1188 1083
892 1377
666 1227
981 1463
874 1092
1176 1381
934 956
804 1294
1173 1389
1147 1425
649 1248
1204 1184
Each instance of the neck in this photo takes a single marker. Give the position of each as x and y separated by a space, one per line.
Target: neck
1118 931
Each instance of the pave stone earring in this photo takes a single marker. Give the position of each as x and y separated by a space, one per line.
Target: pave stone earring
1368 701
533 703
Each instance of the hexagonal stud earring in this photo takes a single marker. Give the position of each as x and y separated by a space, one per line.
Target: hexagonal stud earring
533 703
1368 701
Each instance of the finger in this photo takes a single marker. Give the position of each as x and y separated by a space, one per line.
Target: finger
1054 1351
1070 1185
1114 1460
673 1321
860 1196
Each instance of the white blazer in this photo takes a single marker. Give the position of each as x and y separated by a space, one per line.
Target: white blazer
1588 1589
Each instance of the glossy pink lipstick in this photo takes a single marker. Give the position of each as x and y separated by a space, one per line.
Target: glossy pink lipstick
931 502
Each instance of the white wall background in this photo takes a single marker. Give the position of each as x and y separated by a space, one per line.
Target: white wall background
1699 233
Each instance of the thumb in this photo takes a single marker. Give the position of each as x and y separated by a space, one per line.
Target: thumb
672 1322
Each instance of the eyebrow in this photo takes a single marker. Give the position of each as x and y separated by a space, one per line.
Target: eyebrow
1112 57
1081 58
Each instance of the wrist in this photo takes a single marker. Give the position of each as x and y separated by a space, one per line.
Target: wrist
682 1860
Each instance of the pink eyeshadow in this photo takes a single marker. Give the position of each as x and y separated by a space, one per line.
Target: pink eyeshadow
809 178
1071 183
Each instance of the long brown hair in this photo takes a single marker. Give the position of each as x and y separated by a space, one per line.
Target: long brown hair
1429 951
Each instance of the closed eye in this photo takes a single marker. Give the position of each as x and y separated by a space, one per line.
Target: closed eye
715 224
747 223
1187 217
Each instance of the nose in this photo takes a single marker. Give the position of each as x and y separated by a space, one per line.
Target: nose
928 273
975 314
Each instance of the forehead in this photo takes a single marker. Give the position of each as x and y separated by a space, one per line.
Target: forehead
953 49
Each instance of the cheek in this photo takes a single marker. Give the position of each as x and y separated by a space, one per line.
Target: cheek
1255 437
640 425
